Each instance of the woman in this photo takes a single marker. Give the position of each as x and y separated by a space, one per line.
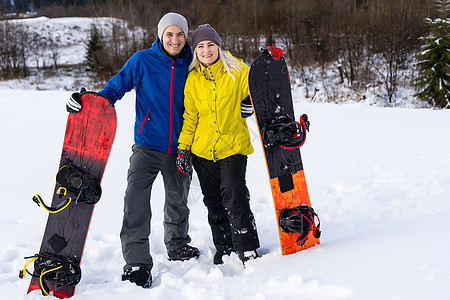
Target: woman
215 133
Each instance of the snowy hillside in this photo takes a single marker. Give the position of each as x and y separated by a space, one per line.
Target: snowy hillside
379 178
70 36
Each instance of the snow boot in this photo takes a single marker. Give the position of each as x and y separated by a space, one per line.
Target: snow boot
138 275
217 260
184 253
245 256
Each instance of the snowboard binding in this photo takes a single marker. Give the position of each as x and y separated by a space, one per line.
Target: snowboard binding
74 181
53 269
285 133
299 219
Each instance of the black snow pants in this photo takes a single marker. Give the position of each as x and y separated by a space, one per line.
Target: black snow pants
227 198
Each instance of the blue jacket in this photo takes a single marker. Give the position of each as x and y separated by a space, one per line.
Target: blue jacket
159 82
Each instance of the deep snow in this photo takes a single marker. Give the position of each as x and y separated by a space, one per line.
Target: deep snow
379 179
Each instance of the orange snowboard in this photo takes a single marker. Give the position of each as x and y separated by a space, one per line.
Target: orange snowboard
270 93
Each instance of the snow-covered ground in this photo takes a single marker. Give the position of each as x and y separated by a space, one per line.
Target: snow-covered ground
379 178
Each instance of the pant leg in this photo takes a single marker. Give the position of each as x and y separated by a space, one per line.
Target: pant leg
208 173
176 210
236 199
137 210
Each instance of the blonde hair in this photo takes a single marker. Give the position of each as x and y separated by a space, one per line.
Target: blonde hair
230 63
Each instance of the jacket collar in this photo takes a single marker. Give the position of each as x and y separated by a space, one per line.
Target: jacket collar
213 72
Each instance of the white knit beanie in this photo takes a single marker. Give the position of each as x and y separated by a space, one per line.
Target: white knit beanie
170 19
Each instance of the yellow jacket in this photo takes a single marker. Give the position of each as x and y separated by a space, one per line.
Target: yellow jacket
213 127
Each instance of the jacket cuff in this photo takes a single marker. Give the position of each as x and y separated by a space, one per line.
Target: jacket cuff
184 147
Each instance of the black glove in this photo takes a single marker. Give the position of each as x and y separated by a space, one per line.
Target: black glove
246 108
184 162
73 105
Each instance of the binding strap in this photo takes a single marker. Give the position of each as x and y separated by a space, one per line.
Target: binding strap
54 269
52 210
285 132
300 138
299 219
74 181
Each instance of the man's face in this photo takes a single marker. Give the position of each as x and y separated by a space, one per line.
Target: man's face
173 40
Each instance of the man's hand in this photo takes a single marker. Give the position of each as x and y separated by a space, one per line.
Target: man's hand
73 105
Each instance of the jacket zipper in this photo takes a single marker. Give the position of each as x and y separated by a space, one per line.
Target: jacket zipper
143 122
171 104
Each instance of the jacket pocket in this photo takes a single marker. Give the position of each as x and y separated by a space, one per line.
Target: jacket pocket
147 117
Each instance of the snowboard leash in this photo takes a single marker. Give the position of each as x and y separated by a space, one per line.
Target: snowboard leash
54 269
72 180
285 133
300 219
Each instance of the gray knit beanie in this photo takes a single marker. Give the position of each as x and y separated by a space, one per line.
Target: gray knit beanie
205 32
170 19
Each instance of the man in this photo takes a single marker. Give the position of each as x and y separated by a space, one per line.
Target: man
158 75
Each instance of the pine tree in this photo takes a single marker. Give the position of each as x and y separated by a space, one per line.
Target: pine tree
434 65
92 48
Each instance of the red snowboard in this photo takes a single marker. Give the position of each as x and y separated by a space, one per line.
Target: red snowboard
87 143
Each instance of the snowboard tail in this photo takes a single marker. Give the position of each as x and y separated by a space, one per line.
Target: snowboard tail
270 92
289 199
88 141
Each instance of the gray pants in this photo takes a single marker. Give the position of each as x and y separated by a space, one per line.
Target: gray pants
145 164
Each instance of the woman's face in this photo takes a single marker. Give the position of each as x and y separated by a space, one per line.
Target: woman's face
207 52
